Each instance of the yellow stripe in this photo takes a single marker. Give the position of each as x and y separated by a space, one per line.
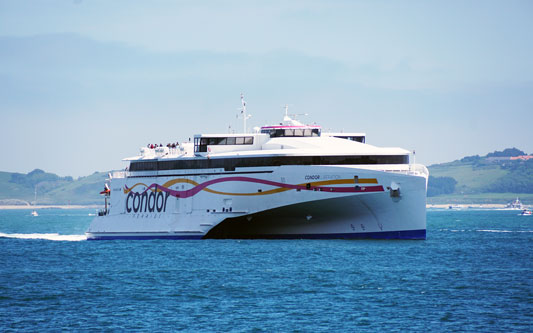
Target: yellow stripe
167 184
131 188
367 181
277 190
180 180
283 189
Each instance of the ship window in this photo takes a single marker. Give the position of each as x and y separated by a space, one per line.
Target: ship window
291 132
214 141
352 138
229 164
200 144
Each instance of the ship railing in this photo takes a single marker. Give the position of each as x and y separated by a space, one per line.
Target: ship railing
119 174
418 170
413 170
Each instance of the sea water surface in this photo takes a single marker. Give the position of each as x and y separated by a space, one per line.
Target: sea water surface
473 273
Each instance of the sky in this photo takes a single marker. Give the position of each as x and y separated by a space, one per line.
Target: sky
84 84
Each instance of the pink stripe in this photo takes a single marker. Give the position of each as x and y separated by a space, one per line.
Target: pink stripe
198 188
281 127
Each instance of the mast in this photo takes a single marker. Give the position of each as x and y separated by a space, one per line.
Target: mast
243 112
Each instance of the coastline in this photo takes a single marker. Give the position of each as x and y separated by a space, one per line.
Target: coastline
434 206
464 206
7 207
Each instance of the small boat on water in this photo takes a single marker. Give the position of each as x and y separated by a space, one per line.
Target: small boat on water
526 212
34 212
517 204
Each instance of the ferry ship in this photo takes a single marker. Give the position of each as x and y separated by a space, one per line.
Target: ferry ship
283 181
515 205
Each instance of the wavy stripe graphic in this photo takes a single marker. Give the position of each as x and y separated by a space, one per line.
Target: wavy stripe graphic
282 187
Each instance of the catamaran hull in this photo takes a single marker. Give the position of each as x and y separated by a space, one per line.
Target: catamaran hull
372 216
280 203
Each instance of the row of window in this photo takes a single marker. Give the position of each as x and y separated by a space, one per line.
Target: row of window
283 132
229 164
200 144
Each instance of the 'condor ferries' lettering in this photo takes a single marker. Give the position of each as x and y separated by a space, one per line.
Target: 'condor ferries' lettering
144 202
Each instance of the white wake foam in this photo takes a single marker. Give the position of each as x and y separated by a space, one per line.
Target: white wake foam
53 237
486 230
518 231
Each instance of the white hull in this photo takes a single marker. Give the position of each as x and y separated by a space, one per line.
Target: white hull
268 202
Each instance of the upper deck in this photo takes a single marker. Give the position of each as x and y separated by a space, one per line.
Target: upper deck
288 143
231 151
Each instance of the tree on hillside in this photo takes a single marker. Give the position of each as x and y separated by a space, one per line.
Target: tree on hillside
471 159
441 185
508 152
36 177
519 178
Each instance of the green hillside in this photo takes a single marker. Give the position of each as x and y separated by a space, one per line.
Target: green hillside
498 177
470 178
51 189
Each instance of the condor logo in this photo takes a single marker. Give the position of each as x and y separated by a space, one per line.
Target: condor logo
144 202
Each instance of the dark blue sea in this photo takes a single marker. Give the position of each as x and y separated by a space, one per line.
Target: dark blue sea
473 273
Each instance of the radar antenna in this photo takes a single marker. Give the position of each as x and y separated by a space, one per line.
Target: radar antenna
291 118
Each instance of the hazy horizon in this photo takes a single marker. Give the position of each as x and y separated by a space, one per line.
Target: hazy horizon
85 84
